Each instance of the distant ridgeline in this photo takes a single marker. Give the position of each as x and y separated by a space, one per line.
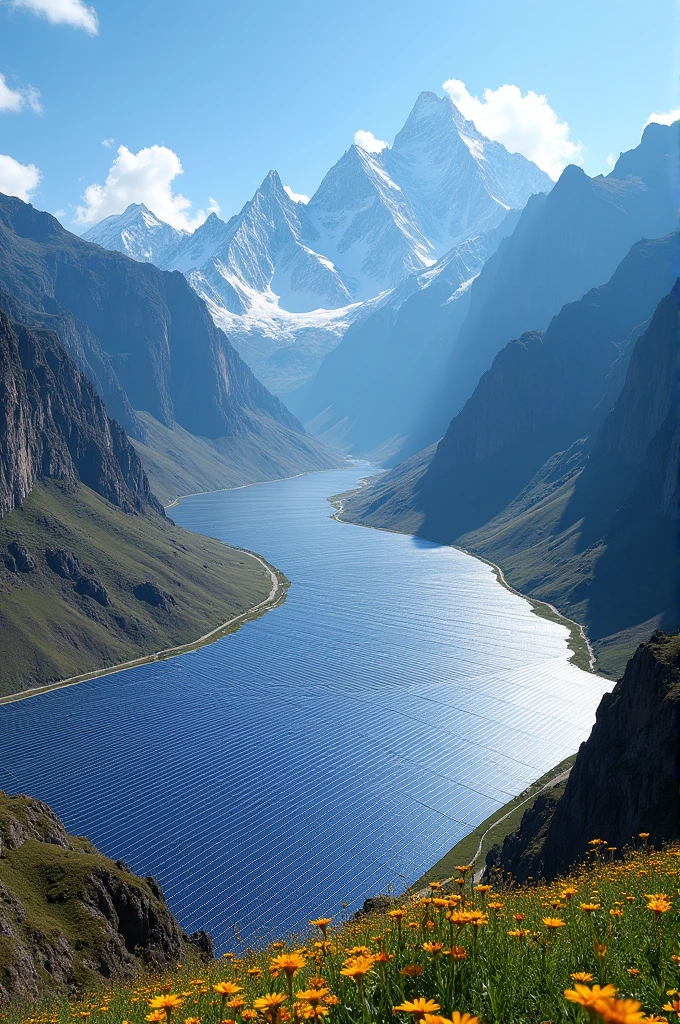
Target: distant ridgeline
625 780
561 461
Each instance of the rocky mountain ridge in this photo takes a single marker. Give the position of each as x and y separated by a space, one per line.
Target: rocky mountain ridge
149 345
54 425
70 917
375 219
624 780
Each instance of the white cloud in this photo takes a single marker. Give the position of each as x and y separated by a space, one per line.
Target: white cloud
14 100
525 124
368 142
18 179
63 12
60 214
144 177
297 197
213 206
669 118
611 160
108 143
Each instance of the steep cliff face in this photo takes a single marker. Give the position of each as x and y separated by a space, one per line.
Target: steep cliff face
564 244
539 396
70 917
562 467
54 425
626 776
147 342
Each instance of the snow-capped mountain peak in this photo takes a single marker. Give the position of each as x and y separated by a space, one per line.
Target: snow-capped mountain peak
375 220
138 233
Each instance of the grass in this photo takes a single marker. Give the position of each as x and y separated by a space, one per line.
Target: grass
50 632
53 883
474 847
505 957
179 463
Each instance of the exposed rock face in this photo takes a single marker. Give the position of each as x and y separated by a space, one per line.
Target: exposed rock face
67 565
626 776
53 424
22 557
154 596
88 917
64 563
146 340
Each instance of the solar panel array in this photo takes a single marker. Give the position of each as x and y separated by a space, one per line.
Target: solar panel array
333 748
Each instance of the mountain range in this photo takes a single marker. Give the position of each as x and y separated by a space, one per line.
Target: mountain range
168 375
286 279
562 465
92 572
561 245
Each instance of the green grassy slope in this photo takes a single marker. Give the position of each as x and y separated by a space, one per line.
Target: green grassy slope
71 916
50 632
179 463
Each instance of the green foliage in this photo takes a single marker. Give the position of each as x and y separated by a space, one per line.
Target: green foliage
510 967
50 632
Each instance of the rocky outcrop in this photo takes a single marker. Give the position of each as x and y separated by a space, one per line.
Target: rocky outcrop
625 779
54 425
79 917
153 595
67 565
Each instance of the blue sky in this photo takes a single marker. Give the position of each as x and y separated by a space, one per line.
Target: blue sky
234 89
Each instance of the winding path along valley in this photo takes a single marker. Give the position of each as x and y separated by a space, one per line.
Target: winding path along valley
334 747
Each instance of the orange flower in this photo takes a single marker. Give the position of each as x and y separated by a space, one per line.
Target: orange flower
552 923
322 923
588 997
582 976
289 963
418 1007
411 970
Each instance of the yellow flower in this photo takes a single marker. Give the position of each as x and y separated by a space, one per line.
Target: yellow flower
463 1018
616 913
581 976
619 1011
166 1002
455 953
554 922
519 933
153 1017
432 947
226 988
322 923
590 908
418 1007
660 905
358 967
289 963
313 996
463 868
270 1005
585 996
